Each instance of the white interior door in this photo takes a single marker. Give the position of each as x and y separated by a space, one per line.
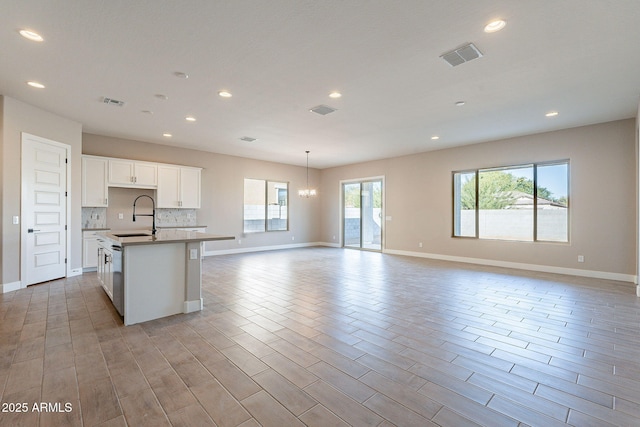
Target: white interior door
44 209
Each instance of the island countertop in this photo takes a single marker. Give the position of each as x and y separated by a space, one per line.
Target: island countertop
162 236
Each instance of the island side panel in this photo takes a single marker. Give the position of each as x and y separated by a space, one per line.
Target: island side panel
154 284
193 301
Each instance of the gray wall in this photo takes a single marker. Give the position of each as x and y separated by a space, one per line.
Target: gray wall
223 189
419 198
18 117
603 194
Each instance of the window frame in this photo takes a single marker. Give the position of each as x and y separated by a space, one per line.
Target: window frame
534 166
265 205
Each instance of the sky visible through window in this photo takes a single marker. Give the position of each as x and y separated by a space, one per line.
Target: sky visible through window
553 177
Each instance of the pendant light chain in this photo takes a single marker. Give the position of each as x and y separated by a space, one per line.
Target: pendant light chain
307 192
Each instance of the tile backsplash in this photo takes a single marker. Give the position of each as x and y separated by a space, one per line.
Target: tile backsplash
97 218
176 217
94 217
119 214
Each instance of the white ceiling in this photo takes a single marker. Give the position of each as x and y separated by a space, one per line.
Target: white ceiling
281 57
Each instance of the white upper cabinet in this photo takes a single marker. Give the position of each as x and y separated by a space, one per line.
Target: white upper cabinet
129 173
169 188
178 187
94 181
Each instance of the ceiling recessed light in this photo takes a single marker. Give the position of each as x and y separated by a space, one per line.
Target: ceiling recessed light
167 135
162 97
335 94
181 75
225 94
190 119
33 36
36 85
434 137
495 26
147 112
460 103
552 114
248 139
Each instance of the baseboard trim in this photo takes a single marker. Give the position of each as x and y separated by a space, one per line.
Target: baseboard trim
9 287
605 275
75 272
522 266
191 306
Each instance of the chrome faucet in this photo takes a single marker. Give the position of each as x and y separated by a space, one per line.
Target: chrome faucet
152 214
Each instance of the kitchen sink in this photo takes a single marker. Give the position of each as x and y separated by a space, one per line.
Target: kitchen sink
132 235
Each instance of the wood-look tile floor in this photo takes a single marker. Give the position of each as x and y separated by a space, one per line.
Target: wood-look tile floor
330 337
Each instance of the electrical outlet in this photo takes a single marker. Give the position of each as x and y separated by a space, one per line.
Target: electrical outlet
334 237
239 241
16 220
420 244
293 238
120 216
580 258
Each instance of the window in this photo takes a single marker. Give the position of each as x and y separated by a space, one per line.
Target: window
524 202
266 205
464 196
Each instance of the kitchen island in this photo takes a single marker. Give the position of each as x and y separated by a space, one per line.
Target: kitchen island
152 276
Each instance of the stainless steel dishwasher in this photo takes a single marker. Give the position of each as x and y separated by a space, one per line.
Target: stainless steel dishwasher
118 278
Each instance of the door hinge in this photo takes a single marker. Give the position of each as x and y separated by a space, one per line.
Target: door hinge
66 160
65 228
65 260
65 194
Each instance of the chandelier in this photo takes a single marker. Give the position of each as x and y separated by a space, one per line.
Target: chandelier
307 192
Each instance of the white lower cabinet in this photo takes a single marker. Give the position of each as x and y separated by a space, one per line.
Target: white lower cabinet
105 267
90 250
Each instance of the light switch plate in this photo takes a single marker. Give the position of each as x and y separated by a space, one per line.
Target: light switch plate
193 254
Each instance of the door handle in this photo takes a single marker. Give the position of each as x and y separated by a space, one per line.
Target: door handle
31 230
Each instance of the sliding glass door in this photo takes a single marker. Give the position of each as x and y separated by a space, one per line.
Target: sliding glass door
362 215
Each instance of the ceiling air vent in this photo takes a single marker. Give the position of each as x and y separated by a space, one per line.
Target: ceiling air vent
112 101
463 54
248 139
322 109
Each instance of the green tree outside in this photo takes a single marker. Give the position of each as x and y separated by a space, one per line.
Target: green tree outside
498 190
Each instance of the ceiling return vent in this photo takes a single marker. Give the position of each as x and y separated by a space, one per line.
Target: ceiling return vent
465 53
111 101
322 109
